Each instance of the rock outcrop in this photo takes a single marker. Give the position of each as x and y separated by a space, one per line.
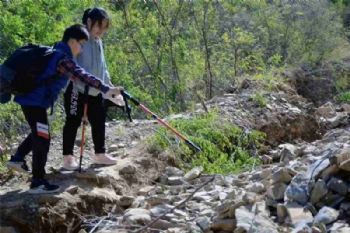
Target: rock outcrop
301 187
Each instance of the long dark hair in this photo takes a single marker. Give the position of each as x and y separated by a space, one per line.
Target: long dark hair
96 15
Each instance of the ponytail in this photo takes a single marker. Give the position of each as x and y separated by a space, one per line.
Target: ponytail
96 15
86 16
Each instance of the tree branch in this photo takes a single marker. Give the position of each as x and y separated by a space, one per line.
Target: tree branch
127 24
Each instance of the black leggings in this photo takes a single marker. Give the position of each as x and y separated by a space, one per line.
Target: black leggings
74 107
38 141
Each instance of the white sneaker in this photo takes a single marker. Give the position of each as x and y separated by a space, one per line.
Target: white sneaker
103 159
69 163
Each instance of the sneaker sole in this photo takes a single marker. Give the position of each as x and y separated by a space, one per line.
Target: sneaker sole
70 168
101 163
16 168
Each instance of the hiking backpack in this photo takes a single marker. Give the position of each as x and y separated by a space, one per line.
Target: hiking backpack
19 72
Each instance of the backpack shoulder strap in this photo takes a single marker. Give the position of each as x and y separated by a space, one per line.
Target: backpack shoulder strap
52 78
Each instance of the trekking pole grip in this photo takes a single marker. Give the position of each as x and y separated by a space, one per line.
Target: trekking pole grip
128 96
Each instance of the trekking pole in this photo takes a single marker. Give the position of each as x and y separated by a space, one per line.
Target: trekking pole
162 122
127 108
112 102
84 123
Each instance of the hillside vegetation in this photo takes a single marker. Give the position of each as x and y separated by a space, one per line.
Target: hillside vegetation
172 54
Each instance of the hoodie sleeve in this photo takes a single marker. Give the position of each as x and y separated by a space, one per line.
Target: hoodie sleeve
74 72
108 79
106 76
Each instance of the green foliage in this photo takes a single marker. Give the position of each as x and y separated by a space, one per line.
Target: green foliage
271 79
342 82
161 53
344 97
11 122
2 166
259 99
33 21
225 147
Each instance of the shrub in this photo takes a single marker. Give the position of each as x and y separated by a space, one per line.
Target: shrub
259 99
11 121
226 148
344 97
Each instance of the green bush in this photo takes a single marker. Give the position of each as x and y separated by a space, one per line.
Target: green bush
259 99
226 148
11 121
344 97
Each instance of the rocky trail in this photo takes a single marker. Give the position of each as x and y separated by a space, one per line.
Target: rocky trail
303 185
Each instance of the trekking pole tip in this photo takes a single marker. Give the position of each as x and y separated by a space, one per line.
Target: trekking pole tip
194 146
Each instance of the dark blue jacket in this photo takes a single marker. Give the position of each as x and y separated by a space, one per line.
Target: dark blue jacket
45 95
